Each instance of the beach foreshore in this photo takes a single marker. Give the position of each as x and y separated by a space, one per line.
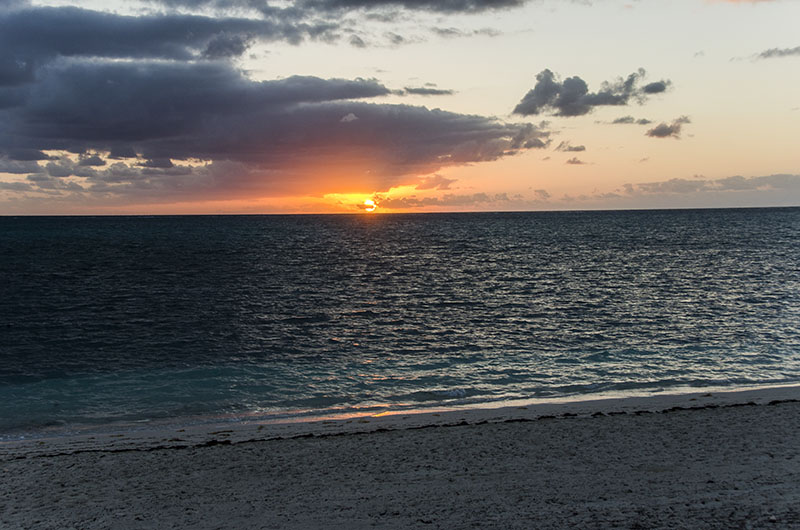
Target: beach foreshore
697 460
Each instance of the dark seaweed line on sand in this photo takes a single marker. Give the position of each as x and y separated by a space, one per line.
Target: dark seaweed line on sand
463 423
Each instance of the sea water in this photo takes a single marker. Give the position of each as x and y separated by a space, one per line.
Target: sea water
134 320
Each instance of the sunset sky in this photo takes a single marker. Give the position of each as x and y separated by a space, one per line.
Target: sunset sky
248 106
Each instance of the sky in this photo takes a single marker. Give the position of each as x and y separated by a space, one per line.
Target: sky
351 106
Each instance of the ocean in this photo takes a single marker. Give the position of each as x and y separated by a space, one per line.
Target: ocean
125 322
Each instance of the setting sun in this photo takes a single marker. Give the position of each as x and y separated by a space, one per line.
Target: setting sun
369 205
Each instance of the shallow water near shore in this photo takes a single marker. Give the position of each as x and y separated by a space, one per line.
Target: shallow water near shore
134 320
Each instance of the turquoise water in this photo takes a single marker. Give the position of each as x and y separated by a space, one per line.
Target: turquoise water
175 319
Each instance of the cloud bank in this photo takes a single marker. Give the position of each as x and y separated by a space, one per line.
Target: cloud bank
96 104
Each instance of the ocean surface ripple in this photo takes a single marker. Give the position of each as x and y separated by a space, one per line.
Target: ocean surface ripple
136 319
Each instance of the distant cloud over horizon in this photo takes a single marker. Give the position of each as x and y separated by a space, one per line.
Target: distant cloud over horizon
571 97
735 183
447 200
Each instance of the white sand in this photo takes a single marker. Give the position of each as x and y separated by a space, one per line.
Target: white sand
716 466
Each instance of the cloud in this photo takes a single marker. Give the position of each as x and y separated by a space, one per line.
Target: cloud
567 148
442 6
337 6
451 33
32 36
152 107
160 163
27 154
448 200
428 91
91 160
15 186
575 161
224 46
541 195
631 119
250 136
357 41
682 186
663 130
779 52
656 87
435 182
8 165
572 97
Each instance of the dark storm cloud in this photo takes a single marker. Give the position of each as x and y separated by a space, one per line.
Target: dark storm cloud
571 97
146 101
225 46
121 151
664 130
6 5
773 53
19 167
91 161
60 168
250 135
32 36
151 106
567 148
27 154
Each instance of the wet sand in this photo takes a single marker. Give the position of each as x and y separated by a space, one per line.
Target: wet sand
719 460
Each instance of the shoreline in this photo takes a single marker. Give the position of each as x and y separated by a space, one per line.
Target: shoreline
724 460
171 436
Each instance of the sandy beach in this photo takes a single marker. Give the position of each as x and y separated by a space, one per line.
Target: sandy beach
704 460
